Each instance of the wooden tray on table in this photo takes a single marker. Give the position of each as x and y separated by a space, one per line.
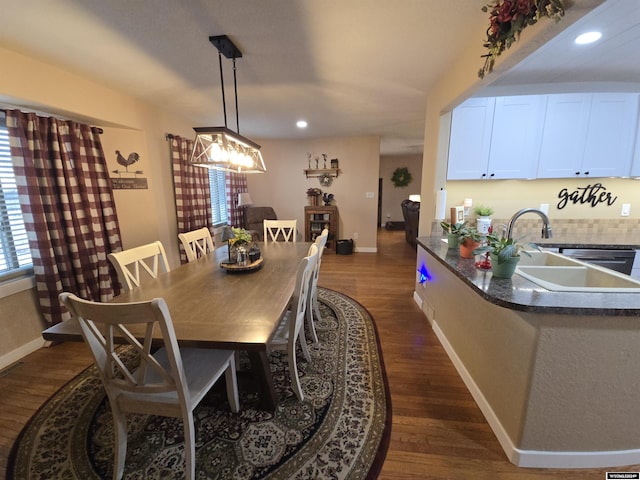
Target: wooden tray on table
249 267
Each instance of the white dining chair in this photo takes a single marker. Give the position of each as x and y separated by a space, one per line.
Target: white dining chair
312 303
132 263
171 382
280 229
291 328
196 243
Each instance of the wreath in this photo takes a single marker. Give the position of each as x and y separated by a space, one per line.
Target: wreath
401 177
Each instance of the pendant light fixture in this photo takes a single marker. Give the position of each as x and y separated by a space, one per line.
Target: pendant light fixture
221 148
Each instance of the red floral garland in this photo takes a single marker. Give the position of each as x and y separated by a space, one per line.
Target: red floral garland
507 19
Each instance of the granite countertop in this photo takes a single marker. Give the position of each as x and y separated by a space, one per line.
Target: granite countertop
518 293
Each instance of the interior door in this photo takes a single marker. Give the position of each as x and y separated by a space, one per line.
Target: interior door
379 202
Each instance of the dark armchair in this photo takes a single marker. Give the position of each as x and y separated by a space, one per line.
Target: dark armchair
411 214
253 217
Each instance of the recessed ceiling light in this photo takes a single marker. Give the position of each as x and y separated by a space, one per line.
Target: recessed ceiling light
301 124
588 37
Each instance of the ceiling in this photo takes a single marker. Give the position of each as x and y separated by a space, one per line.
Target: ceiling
353 67
613 63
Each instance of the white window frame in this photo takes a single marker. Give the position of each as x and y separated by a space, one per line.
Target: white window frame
15 256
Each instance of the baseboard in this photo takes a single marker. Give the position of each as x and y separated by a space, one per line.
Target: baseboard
533 458
537 459
417 299
22 351
366 249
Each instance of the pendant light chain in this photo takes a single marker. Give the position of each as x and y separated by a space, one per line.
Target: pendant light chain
224 103
235 89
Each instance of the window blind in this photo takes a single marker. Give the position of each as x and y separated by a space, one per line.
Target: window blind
15 256
218 187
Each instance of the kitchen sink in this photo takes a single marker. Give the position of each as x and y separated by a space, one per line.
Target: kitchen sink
574 276
547 259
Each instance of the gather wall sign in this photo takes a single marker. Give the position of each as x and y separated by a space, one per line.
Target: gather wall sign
591 194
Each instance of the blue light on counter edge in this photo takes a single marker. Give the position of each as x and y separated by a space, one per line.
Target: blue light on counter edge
425 276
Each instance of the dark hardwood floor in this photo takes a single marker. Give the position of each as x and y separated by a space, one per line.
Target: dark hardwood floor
438 431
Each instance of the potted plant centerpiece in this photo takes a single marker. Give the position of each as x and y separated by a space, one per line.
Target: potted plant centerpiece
504 254
469 241
453 233
242 238
484 218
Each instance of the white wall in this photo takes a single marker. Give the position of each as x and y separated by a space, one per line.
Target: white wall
531 193
284 186
392 196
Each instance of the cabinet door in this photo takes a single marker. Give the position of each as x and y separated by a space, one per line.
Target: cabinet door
635 166
469 139
563 135
516 136
610 136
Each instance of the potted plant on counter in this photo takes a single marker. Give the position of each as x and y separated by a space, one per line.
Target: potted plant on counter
504 254
469 241
453 232
484 218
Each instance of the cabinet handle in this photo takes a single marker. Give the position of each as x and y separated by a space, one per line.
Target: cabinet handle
586 173
492 175
484 174
577 173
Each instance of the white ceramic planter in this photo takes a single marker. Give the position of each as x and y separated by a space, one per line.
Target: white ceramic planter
483 224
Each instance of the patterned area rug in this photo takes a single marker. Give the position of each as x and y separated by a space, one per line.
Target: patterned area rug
340 431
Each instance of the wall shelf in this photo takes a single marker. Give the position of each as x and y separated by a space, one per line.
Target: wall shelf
318 172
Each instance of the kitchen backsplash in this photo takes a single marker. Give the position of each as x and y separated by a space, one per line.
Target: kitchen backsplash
530 227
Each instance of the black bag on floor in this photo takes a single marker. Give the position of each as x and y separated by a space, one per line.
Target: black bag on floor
344 247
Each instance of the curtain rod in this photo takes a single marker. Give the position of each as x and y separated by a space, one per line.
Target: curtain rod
4 107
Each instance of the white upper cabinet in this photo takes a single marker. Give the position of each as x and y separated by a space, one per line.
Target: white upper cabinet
564 134
516 136
635 165
470 139
588 135
611 135
574 135
495 138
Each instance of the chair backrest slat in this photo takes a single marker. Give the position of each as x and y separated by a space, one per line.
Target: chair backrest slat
196 243
301 292
105 325
276 229
320 243
151 257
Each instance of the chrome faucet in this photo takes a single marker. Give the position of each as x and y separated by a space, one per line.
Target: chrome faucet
502 226
546 228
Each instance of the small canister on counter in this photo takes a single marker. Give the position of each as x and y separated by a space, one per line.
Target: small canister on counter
242 256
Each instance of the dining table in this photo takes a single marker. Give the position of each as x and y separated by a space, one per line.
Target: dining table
216 307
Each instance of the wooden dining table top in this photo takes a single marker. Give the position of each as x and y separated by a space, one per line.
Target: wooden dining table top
215 308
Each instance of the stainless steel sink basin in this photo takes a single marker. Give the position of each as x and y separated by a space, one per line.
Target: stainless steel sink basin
558 273
547 259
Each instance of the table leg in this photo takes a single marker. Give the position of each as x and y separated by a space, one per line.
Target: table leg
262 374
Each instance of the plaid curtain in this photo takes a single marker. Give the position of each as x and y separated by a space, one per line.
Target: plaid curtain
68 207
192 193
236 183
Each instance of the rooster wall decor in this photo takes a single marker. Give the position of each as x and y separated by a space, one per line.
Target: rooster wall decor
125 162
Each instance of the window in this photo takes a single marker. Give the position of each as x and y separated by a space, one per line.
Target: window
218 186
15 256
